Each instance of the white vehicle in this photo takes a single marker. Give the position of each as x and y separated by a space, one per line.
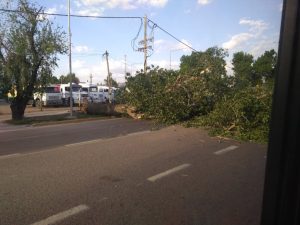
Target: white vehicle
78 95
103 93
92 90
94 94
51 96
98 93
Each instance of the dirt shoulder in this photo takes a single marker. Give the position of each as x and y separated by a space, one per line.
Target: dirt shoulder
5 109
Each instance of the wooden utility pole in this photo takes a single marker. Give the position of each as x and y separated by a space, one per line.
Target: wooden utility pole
145 44
70 59
91 78
108 77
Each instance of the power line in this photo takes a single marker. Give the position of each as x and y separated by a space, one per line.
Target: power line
172 36
133 41
109 17
74 15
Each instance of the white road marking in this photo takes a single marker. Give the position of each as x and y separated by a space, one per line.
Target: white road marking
168 172
137 133
102 139
62 215
9 156
225 150
84 142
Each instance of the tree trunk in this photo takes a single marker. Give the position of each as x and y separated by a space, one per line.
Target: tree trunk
17 109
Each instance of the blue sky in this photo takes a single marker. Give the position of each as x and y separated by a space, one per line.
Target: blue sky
249 25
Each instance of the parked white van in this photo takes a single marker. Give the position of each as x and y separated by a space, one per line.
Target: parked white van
92 89
78 94
103 93
50 96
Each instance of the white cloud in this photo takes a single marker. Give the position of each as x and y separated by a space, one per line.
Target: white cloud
124 4
204 2
264 44
255 31
256 26
81 49
154 3
255 41
77 64
50 11
237 40
162 45
91 11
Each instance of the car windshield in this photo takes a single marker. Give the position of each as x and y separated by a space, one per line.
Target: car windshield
52 90
93 89
75 89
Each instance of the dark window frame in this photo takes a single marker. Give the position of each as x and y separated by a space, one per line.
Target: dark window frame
281 200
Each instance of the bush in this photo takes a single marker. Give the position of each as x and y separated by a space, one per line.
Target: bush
171 97
245 114
202 94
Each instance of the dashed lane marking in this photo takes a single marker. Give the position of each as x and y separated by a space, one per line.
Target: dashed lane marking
102 139
225 150
62 215
168 172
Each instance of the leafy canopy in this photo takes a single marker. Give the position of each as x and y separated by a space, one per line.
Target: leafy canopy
29 44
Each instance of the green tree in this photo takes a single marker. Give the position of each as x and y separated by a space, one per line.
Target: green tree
207 71
54 80
65 79
29 44
242 67
264 66
114 83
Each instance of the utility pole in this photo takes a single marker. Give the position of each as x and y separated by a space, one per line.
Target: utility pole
108 76
145 44
91 78
70 59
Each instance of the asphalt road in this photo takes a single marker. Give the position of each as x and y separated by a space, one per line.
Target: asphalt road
28 139
171 176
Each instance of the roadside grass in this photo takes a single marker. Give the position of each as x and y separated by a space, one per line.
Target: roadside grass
59 119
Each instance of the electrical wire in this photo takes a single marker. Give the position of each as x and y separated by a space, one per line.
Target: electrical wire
151 38
133 41
74 15
111 17
172 35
